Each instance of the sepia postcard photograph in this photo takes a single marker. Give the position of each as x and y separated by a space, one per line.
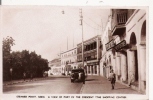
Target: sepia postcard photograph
74 52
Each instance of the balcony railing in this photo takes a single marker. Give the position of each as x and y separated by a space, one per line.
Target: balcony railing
122 18
118 22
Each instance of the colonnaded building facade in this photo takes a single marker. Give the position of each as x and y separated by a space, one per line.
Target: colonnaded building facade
92 55
124 47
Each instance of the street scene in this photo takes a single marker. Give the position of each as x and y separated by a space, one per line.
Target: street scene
62 85
74 50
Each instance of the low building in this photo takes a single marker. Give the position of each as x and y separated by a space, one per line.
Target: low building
55 67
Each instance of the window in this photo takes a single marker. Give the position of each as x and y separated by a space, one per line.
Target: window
95 45
92 46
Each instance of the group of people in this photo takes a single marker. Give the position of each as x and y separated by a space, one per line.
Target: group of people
112 78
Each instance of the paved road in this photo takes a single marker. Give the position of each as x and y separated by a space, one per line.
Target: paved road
62 85
52 85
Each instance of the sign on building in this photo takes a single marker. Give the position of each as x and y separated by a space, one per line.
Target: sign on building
110 45
120 45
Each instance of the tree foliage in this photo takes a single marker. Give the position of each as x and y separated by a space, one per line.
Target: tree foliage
20 62
7 43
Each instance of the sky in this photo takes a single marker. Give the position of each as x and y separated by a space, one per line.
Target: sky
47 31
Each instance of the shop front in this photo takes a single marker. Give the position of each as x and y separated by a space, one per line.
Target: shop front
92 68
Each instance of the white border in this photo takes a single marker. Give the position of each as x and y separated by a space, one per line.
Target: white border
105 3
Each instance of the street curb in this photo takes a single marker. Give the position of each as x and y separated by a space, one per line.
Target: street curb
11 83
26 81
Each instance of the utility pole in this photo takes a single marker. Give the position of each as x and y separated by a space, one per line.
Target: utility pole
73 40
81 19
67 43
102 27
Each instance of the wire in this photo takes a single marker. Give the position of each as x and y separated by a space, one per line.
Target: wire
94 22
90 25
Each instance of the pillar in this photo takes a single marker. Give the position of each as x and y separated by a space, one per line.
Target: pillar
97 70
90 70
101 72
131 63
87 70
118 63
143 67
97 48
93 69
124 67
113 63
116 69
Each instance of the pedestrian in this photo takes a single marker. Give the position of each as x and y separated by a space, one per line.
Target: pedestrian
79 75
112 78
31 76
131 78
24 76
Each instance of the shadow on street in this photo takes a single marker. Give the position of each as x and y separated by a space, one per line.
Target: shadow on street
91 79
121 88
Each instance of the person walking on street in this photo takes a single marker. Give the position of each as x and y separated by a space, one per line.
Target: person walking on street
112 78
24 76
31 76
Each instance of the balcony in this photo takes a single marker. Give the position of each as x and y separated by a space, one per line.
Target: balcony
119 21
121 18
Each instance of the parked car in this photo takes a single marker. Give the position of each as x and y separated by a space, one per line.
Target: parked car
77 75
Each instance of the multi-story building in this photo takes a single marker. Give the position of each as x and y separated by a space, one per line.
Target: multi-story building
69 60
105 65
92 55
127 47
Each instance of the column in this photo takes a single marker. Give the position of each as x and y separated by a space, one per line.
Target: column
93 69
116 69
143 63
100 69
131 63
118 62
143 67
97 70
90 70
97 48
87 70
124 67
113 63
